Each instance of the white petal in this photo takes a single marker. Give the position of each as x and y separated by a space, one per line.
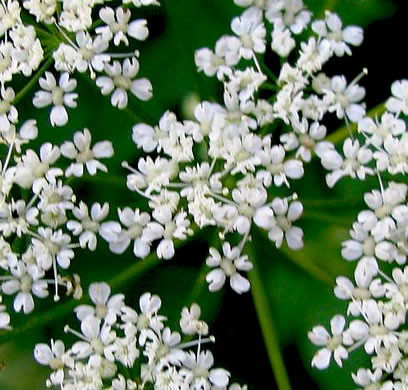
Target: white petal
142 89
58 116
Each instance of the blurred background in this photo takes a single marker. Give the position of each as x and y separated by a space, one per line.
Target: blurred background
299 285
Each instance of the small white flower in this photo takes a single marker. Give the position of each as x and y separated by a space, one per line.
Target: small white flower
331 30
80 150
58 95
190 323
106 307
228 266
399 101
120 79
87 225
118 26
331 344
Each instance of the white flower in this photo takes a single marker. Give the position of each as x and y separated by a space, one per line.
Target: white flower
190 323
313 55
228 266
152 175
118 26
81 151
290 14
278 221
331 344
8 113
282 42
87 226
272 158
305 139
331 30
167 228
374 331
379 131
90 54
200 374
368 378
140 3
42 10
399 101
119 239
76 15
27 51
9 16
106 307
53 356
31 167
354 164
120 80
344 99
25 281
4 317
251 31
96 337
59 96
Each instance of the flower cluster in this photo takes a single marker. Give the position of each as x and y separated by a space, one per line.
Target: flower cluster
42 221
120 348
224 167
378 299
74 42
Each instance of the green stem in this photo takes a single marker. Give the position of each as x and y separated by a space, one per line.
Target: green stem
33 80
269 86
267 325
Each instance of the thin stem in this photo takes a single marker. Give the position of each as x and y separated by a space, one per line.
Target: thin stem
33 80
256 63
10 151
268 328
222 198
193 343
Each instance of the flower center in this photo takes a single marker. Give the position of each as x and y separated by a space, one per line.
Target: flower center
283 222
58 96
101 310
85 156
122 82
228 267
25 283
369 246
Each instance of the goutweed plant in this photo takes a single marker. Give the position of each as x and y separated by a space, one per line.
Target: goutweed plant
223 171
